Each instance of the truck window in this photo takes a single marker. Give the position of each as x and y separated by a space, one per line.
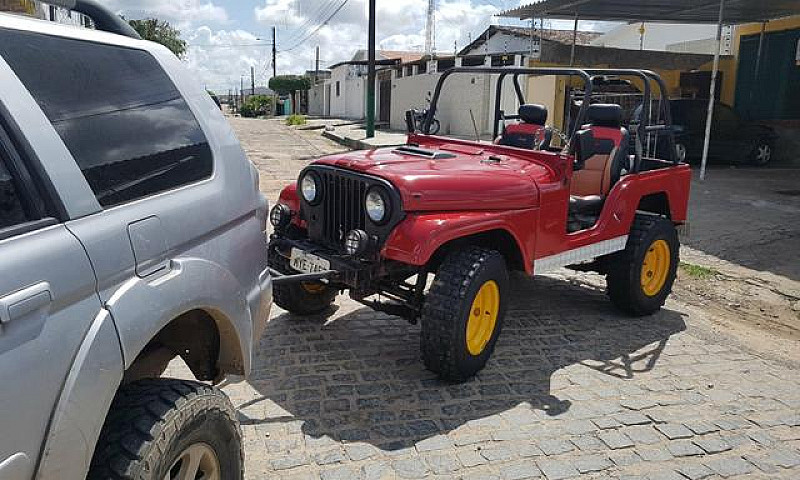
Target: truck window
117 111
12 212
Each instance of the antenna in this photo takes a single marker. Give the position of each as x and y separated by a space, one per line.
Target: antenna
430 29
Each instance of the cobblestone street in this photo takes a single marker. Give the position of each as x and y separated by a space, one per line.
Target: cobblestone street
574 388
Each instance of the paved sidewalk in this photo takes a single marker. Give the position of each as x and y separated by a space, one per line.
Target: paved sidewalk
574 388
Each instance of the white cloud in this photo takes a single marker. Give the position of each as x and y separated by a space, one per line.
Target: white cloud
182 13
222 47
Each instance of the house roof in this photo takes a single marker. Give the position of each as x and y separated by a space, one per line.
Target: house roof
382 57
558 36
681 11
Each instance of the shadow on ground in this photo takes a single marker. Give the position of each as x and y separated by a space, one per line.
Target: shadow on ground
359 377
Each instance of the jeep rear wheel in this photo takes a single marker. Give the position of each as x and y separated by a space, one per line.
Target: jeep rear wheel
163 429
301 298
640 278
463 313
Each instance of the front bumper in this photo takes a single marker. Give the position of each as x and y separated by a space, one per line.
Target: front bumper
345 270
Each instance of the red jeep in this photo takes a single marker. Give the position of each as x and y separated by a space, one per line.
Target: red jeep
378 222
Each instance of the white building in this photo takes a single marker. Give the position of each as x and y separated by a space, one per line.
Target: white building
343 95
37 9
667 37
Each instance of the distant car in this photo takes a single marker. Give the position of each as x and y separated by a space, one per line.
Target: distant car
733 139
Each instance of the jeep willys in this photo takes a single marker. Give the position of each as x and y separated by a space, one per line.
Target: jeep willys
378 223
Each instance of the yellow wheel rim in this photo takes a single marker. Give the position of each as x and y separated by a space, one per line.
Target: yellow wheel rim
655 268
313 288
483 317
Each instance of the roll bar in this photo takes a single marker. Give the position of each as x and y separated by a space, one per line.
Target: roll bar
503 72
104 19
642 128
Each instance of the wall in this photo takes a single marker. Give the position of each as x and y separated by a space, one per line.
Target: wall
657 36
316 100
501 43
351 99
461 94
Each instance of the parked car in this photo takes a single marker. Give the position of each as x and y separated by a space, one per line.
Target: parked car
733 140
131 232
378 223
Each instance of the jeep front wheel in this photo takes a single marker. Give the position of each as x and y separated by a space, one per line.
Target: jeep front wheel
463 313
640 277
301 298
160 429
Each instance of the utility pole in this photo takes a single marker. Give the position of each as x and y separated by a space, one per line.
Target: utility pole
430 29
241 88
371 72
274 54
316 68
252 81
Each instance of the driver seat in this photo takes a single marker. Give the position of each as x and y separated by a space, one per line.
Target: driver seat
531 128
609 162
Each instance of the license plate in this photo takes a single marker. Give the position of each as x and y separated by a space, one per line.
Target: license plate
308 263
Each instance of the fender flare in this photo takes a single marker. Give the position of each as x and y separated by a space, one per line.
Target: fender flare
85 399
419 236
196 284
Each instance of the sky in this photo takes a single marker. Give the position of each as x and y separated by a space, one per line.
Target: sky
227 37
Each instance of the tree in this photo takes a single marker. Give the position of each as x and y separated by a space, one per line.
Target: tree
289 85
255 106
160 31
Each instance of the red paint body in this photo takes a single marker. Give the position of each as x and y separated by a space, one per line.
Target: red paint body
525 193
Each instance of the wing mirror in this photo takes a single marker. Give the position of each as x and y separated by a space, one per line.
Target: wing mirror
583 148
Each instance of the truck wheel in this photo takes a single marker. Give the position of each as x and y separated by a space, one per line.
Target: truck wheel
169 429
640 277
463 313
301 298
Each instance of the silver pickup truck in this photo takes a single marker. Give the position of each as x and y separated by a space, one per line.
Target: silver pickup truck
132 231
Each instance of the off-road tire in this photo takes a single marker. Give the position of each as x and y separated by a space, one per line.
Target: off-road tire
294 297
152 421
625 268
447 308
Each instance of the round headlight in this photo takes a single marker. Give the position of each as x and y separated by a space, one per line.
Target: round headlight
280 215
376 205
309 186
356 242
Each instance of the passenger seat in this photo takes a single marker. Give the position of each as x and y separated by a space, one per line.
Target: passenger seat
609 162
531 133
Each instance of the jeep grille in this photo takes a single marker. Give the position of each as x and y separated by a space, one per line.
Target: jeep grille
342 207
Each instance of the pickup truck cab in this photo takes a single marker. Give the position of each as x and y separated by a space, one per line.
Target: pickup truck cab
378 223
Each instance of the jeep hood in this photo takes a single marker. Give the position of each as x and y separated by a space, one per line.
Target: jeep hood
470 178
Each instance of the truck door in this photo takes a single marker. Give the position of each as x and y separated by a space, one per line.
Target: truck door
47 303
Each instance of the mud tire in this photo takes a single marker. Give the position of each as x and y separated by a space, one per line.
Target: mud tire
295 298
447 309
624 278
151 422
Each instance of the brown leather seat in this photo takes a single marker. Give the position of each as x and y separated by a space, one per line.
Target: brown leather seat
610 160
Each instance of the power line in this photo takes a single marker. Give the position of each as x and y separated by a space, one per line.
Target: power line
316 30
310 21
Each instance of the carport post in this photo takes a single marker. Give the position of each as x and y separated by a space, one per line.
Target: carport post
574 40
713 92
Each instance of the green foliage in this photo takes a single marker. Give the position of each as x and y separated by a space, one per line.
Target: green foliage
698 271
160 31
289 84
296 119
255 106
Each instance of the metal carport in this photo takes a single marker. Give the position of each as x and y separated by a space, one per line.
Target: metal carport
728 12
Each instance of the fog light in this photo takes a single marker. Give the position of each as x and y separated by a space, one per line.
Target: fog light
356 242
280 216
